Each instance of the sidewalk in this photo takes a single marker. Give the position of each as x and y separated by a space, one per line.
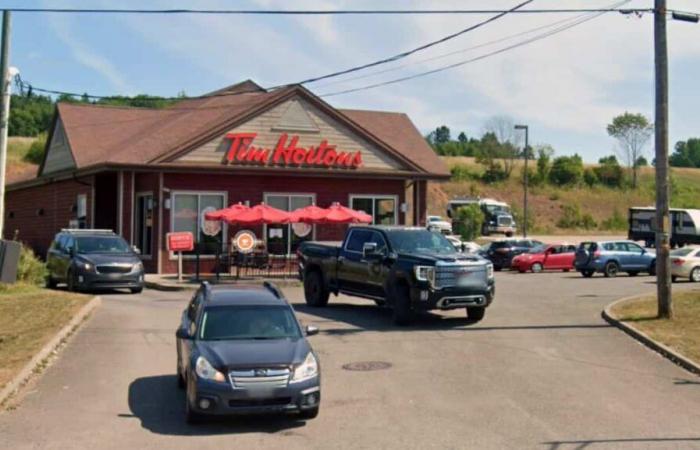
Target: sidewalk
169 282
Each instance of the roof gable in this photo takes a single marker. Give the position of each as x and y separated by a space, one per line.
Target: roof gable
58 155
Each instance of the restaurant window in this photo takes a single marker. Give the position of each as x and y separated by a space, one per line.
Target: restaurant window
284 239
381 208
187 212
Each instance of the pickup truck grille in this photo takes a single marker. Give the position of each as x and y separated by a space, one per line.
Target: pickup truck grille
259 378
449 276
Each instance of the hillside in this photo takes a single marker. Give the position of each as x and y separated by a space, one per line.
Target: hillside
546 203
17 167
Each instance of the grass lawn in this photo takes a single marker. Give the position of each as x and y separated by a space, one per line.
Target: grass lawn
682 333
29 317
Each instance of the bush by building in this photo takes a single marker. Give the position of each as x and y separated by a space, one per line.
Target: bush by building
30 270
467 222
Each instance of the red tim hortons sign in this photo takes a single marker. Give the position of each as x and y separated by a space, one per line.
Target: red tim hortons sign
287 152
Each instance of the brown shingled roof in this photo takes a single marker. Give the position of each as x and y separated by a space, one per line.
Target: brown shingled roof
100 134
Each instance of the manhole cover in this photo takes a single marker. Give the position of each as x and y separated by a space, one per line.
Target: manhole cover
366 366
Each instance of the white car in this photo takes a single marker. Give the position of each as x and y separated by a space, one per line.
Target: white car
685 263
462 246
437 223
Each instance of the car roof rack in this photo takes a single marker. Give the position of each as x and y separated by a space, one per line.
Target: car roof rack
273 289
87 230
207 289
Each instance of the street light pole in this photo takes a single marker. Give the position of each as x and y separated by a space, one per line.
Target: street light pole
526 153
4 109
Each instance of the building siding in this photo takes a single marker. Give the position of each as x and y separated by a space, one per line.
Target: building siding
58 202
58 155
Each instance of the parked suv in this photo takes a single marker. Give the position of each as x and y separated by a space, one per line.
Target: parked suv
613 257
93 259
241 350
502 252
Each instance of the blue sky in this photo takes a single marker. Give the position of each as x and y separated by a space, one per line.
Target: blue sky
566 87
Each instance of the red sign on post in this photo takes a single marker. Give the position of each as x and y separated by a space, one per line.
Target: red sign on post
181 241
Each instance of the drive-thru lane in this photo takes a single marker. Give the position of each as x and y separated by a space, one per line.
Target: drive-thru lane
542 370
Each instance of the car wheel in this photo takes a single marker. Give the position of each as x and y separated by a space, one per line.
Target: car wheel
567 270
309 414
192 417
315 293
181 383
50 282
611 269
587 273
402 314
71 282
652 268
476 313
509 234
695 275
633 273
536 268
136 290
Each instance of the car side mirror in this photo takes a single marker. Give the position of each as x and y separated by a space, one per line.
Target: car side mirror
71 251
311 330
182 333
370 252
136 249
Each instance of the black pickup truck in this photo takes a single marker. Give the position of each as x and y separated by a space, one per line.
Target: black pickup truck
408 269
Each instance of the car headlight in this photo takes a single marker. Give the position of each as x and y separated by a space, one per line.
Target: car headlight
85 265
138 267
424 273
306 370
489 271
204 370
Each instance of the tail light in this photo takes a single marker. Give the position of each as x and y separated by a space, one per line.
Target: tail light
502 250
678 261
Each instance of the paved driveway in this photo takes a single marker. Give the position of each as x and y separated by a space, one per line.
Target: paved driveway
542 370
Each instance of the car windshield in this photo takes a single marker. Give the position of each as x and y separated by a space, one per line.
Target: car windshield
248 322
537 249
101 244
420 241
497 209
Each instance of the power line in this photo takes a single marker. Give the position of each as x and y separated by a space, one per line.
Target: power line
418 49
318 12
456 52
334 74
471 60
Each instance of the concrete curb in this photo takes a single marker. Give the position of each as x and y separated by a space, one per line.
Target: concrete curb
645 339
31 367
169 287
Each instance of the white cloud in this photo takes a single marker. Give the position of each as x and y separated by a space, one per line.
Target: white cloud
84 55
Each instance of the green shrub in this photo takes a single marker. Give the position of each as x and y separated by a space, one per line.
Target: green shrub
610 173
615 222
30 269
462 172
36 150
590 177
566 170
494 173
467 222
573 218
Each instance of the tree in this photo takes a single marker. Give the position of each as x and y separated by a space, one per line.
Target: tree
440 135
609 171
488 153
462 138
686 153
642 162
632 132
467 222
566 170
544 162
503 129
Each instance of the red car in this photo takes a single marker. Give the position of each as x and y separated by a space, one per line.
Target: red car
546 257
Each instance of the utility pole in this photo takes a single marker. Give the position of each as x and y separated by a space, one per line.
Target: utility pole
526 152
663 263
4 109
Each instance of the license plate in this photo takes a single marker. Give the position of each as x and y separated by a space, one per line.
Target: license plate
464 279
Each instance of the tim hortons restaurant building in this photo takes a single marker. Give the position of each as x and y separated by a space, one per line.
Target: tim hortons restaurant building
146 172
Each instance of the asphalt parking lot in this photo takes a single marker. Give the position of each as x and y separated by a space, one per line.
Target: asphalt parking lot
542 370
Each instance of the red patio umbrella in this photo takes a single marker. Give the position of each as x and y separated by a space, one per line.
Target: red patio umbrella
338 213
225 213
308 214
259 214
